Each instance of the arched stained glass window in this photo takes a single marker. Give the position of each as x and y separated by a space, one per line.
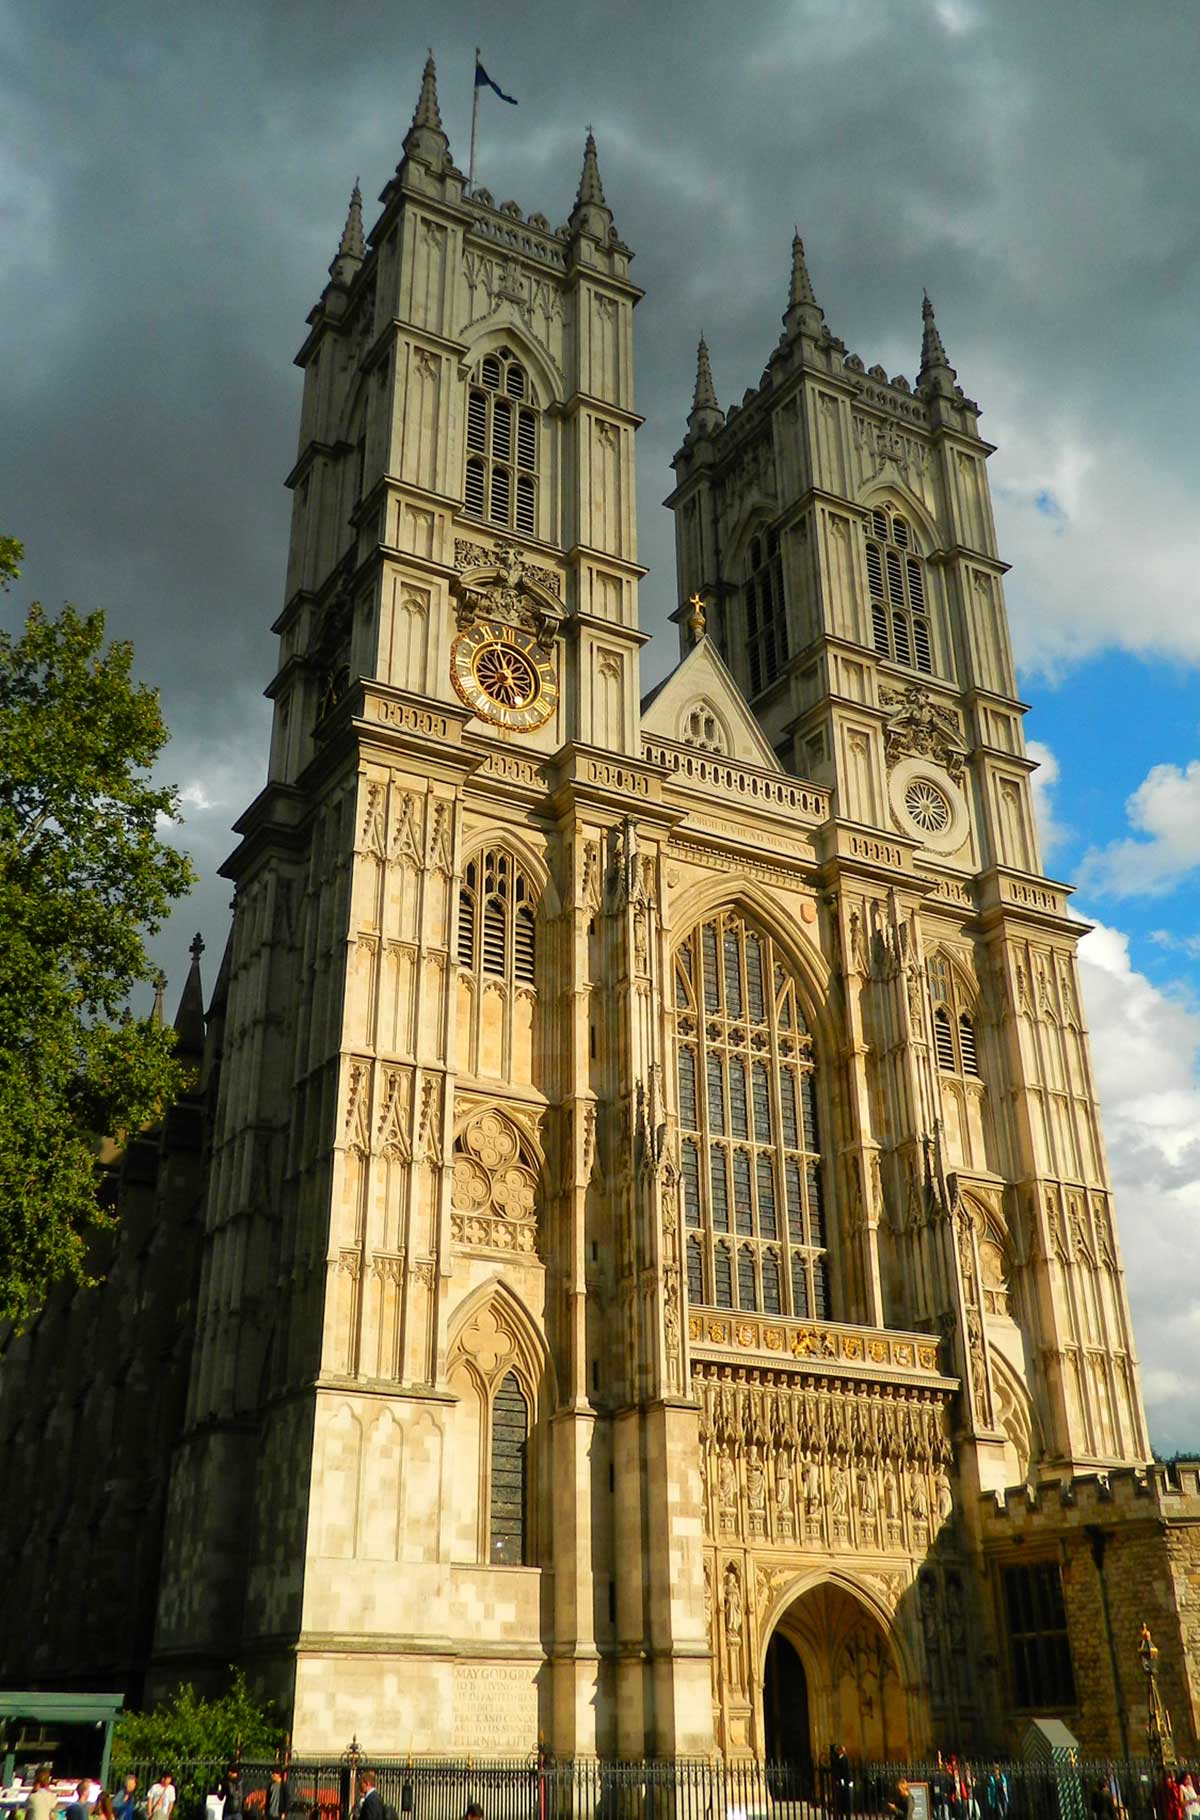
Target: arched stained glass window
510 1444
750 1153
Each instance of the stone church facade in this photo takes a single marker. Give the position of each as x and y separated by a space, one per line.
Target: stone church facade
656 1286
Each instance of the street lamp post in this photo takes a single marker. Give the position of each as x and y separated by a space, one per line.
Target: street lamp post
1158 1719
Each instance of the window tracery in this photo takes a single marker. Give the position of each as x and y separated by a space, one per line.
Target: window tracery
703 729
752 1192
493 1195
503 436
896 585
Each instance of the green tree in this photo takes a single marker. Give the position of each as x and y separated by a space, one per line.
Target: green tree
195 1738
84 876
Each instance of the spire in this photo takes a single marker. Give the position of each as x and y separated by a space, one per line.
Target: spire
591 214
425 138
936 375
706 414
428 113
803 314
590 187
160 987
352 247
189 1019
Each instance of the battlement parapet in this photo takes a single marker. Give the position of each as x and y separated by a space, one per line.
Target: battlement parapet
1170 1493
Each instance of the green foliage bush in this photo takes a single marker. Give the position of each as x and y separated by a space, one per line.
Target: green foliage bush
195 1738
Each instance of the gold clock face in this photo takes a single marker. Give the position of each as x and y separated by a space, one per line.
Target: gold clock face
504 676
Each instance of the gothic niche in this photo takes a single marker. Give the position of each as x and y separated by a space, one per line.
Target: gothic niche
493 1199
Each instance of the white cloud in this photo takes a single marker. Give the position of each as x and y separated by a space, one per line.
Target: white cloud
1054 834
1081 582
1165 808
1146 1044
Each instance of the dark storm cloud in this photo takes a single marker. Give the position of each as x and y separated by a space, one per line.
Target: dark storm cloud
174 180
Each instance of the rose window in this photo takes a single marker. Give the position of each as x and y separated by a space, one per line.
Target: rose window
927 806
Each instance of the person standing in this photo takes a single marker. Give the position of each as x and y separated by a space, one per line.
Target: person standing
841 1781
125 1804
161 1798
995 1794
276 1804
42 1799
80 1807
370 1802
901 1803
232 1794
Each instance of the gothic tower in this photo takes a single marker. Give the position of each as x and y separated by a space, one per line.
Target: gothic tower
839 526
431 1402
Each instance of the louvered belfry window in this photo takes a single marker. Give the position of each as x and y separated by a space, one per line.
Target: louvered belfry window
497 931
752 1193
766 617
954 1041
896 586
503 432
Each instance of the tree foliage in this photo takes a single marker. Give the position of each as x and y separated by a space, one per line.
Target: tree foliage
191 1736
84 876
189 1729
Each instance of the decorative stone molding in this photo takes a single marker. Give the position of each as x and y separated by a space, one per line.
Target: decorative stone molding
501 587
818 1344
919 727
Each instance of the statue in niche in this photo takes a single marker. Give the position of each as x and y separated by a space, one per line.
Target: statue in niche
756 1482
733 1605
783 1492
812 1488
726 1480
890 1505
839 1494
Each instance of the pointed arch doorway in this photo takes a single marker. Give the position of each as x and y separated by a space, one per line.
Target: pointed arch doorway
833 1674
787 1735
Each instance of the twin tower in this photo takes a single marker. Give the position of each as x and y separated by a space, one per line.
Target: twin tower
658 1289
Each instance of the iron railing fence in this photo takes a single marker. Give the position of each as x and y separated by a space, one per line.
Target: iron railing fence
543 1788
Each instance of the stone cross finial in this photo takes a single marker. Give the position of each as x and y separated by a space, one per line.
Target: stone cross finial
695 619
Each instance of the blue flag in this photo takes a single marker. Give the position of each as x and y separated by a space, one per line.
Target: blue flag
483 80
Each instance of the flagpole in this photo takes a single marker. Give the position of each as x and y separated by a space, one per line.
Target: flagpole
474 123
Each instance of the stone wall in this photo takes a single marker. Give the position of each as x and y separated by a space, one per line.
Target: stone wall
1135 1537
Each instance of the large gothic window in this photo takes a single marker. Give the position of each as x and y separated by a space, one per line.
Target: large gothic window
766 619
503 434
896 584
750 1165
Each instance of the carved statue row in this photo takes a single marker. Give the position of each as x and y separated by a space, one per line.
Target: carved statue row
862 1420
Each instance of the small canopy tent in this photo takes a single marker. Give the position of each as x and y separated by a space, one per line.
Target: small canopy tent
56 1711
